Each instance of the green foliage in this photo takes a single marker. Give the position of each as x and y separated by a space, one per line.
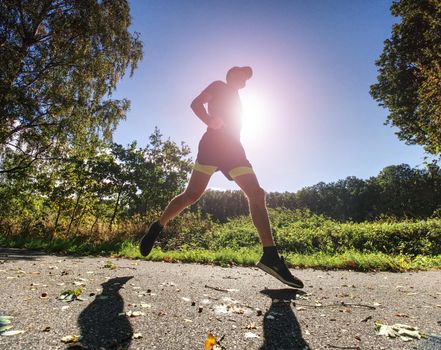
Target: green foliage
409 80
61 61
352 260
189 231
236 233
115 192
305 233
398 190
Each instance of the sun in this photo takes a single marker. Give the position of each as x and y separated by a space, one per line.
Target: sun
255 114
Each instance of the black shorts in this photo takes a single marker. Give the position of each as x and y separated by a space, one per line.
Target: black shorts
220 151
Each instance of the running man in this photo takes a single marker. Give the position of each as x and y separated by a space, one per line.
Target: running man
220 149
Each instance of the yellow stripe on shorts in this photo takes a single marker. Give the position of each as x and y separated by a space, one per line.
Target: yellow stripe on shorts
206 169
242 170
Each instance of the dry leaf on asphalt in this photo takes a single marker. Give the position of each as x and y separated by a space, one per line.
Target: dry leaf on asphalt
5 326
70 295
8 333
71 338
131 313
249 335
210 342
405 332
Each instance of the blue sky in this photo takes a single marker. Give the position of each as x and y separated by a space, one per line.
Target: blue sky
308 113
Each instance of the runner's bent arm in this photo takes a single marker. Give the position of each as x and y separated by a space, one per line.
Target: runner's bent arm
198 107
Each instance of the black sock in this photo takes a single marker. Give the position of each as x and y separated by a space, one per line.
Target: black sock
159 225
270 253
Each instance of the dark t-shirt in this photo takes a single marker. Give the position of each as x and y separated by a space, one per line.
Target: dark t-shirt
225 104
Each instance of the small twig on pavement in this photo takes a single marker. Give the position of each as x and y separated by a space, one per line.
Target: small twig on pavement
341 304
359 305
343 347
216 288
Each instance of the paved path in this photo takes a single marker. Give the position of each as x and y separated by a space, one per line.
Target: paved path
181 303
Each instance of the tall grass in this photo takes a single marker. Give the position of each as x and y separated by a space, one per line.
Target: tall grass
306 239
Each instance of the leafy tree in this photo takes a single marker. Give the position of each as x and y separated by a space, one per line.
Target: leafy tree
398 191
61 60
162 174
409 80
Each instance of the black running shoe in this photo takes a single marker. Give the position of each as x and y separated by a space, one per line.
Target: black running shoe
280 271
147 241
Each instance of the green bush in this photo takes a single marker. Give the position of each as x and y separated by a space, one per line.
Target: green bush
306 233
295 231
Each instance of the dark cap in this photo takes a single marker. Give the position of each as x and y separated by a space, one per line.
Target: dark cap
246 72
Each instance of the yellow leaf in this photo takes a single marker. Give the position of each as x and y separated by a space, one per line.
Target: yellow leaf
210 342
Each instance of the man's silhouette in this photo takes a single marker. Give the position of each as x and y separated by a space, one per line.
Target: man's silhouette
102 325
220 149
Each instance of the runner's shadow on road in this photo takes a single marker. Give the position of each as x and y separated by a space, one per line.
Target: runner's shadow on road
100 323
280 326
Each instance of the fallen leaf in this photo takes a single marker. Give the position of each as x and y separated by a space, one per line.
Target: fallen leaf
9 333
251 325
405 332
137 335
110 265
210 342
4 320
70 295
384 329
249 335
5 328
131 313
237 309
71 338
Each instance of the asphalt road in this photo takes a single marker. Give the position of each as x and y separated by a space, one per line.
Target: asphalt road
135 304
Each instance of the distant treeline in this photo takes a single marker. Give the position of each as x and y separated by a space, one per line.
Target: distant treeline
398 191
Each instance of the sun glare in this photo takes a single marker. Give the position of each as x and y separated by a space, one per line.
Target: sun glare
255 114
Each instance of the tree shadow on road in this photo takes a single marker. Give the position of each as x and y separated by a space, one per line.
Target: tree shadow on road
280 326
9 254
100 323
